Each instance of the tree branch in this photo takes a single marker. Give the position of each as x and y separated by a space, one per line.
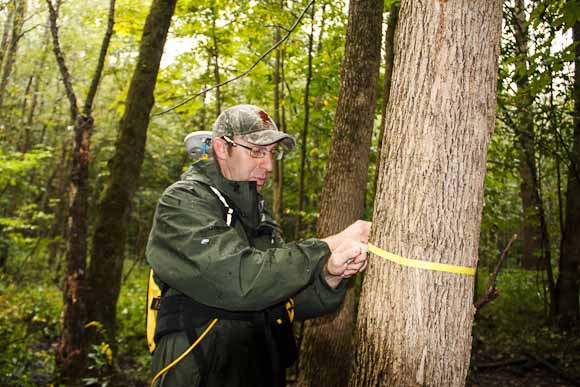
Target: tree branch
66 78
264 55
492 293
567 158
27 31
87 109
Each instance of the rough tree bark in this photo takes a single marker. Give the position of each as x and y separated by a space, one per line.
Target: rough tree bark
414 325
327 342
536 246
565 311
71 351
108 247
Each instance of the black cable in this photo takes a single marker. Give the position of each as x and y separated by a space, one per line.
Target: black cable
264 55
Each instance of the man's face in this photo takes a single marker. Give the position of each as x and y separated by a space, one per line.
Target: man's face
238 165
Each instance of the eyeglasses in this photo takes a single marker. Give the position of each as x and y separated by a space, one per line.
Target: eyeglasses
257 153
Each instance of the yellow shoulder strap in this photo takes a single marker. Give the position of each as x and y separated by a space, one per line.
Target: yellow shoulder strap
154 292
153 297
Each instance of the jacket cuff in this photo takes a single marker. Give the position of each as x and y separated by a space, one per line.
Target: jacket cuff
331 297
317 252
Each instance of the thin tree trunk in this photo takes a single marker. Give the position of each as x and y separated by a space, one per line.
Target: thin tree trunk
534 232
566 309
24 144
6 34
71 351
10 56
327 344
72 347
389 61
554 126
216 61
28 117
322 28
283 127
277 176
114 207
304 137
58 232
414 325
26 95
33 103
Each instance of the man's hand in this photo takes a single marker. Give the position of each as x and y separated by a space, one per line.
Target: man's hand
358 231
348 259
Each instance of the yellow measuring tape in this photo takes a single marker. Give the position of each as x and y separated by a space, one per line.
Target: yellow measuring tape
421 264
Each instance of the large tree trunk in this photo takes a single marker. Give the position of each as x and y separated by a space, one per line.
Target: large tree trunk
327 343
565 311
108 247
534 230
10 56
414 325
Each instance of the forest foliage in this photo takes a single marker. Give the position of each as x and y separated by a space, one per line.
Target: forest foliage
212 41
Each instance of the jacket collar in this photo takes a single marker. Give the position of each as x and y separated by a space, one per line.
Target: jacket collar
243 196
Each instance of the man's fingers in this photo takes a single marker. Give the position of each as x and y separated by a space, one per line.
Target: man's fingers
350 273
355 266
348 254
365 230
360 258
365 264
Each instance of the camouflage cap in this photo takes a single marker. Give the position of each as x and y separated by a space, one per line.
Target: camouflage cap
252 124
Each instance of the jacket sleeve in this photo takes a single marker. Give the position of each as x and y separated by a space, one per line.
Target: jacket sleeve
318 299
192 250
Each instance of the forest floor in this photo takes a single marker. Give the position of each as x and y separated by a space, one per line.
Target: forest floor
525 370
513 344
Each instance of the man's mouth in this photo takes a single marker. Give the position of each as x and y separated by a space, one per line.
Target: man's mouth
260 181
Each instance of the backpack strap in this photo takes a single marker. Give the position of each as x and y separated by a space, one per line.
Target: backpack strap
229 210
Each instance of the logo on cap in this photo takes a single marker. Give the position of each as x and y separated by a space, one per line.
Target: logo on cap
265 117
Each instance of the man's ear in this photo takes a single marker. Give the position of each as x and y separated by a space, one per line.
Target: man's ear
220 150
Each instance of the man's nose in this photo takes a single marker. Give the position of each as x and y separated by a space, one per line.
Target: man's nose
267 162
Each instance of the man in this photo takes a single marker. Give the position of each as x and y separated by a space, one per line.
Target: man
229 281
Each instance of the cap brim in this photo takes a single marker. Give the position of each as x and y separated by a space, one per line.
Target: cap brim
268 137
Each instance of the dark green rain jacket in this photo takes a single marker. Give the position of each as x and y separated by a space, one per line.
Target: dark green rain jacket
244 268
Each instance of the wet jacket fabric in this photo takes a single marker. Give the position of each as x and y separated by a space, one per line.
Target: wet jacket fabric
245 267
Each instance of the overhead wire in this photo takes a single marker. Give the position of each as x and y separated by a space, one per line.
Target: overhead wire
264 55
